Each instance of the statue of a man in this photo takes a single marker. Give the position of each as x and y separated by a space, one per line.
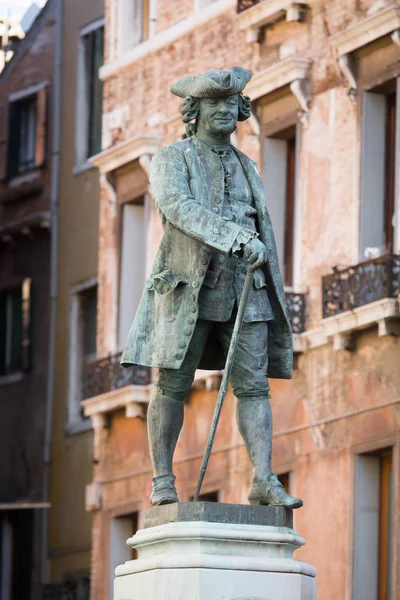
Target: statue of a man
211 201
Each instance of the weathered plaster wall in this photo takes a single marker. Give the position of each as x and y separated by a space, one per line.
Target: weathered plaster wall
70 525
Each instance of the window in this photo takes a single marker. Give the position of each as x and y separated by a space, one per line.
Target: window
76 586
207 497
15 328
90 92
82 346
16 535
284 478
280 190
378 170
200 4
27 130
133 23
373 526
133 265
121 529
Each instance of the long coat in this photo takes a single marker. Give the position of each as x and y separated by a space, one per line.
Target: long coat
186 178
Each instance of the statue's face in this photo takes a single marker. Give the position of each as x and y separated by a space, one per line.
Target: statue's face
218 115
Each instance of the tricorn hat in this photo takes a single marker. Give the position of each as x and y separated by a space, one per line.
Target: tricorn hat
213 84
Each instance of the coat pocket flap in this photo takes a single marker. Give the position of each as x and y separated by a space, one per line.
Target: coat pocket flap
166 281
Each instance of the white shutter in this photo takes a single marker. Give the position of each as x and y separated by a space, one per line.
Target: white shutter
120 552
133 265
275 174
130 24
366 528
372 226
396 245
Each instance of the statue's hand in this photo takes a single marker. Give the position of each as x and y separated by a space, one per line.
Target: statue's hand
255 252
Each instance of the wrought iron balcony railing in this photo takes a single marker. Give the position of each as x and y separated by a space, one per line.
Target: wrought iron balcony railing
245 4
296 304
369 281
106 375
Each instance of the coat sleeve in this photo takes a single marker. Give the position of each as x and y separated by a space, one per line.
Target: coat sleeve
169 177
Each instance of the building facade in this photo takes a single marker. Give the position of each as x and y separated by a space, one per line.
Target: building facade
325 133
69 548
26 104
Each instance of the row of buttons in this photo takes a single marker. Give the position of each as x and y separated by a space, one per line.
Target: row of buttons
188 330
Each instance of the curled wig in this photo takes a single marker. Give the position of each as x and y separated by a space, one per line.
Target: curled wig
191 107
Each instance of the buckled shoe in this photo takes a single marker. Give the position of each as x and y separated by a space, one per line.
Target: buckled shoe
163 491
272 493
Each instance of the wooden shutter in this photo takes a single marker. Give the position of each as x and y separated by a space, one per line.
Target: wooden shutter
390 168
289 211
145 20
96 59
26 337
41 127
385 525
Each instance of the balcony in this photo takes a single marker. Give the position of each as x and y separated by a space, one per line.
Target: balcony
106 375
108 387
370 281
245 4
359 297
296 305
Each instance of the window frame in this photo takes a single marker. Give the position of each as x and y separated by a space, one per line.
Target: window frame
375 447
24 288
119 512
368 84
390 165
274 130
39 92
146 19
76 423
82 103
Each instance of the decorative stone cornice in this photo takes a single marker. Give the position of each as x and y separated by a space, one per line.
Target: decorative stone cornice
269 12
366 31
293 71
370 29
133 398
126 152
278 75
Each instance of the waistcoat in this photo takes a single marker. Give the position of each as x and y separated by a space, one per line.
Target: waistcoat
224 280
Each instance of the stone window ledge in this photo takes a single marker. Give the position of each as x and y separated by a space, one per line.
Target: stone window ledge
11 378
277 76
133 398
338 329
293 71
269 12
368 30
126 152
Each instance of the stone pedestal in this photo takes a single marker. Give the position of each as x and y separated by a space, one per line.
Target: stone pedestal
212 551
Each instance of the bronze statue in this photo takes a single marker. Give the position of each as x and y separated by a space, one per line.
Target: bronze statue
211 201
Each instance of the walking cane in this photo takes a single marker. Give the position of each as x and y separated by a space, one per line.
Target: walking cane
225 378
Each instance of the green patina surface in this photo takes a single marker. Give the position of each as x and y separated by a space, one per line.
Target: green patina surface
187 179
